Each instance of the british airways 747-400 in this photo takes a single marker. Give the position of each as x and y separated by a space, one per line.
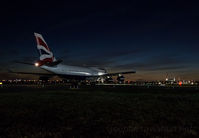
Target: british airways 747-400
48 62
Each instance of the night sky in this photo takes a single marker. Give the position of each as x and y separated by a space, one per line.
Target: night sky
155 38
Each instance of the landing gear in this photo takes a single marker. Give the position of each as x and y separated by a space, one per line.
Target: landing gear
120 79
109 79
100 80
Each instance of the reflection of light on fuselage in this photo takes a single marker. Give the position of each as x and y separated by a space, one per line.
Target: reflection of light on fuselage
100 73
74 70
85 73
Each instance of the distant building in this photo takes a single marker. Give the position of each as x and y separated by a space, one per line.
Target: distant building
170 80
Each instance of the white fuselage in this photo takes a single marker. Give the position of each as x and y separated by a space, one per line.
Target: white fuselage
61 69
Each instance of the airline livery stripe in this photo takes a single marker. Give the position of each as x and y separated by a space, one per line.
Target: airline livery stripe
42 43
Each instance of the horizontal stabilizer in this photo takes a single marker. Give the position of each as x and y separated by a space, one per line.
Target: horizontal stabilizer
26 63
31 73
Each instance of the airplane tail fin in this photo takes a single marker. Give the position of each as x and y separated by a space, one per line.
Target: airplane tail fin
46 56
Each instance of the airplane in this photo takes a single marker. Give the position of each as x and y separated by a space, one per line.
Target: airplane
48 62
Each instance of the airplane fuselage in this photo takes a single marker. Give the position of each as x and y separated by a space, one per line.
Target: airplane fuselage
74 70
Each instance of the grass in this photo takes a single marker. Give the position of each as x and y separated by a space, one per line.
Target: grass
99 113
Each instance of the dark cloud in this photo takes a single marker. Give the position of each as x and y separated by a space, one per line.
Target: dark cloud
101 59
158 63
9 53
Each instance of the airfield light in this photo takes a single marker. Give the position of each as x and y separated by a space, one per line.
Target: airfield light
36 64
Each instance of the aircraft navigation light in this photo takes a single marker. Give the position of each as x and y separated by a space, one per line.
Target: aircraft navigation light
36 64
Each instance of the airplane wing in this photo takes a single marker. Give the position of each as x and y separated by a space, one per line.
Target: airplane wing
32 73
48 75
117 73
47 64
26 63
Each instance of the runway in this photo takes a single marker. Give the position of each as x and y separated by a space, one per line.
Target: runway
116 87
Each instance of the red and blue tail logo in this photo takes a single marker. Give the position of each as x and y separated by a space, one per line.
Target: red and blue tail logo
46 56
